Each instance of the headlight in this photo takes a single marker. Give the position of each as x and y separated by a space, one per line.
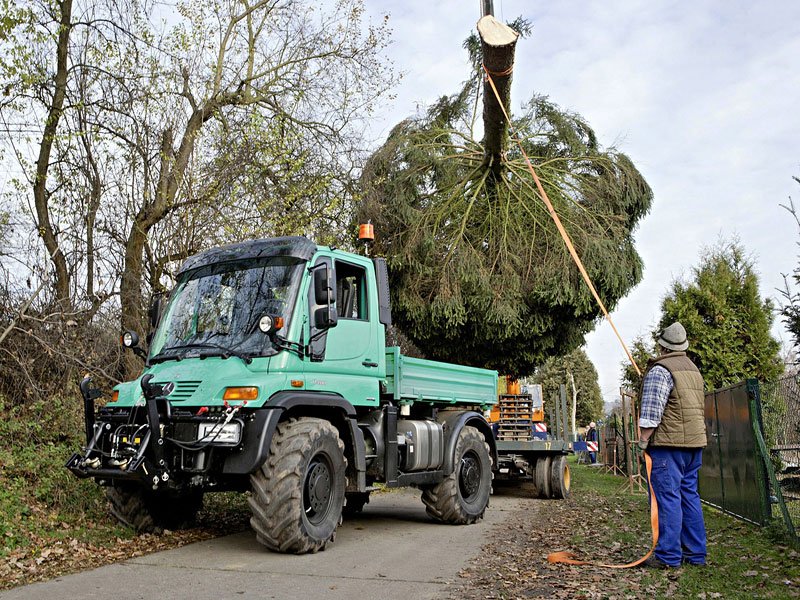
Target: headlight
217 433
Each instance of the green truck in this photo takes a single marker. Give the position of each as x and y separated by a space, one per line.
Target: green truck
267 372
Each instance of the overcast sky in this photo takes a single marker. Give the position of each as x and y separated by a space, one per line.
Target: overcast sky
703 96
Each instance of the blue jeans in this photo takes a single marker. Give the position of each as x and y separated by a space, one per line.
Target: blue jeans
681 530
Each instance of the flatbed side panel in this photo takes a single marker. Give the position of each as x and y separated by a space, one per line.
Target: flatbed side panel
533 446
416 379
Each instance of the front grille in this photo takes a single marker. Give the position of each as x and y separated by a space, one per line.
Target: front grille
184 390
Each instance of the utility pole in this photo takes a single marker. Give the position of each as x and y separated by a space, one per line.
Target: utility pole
487 7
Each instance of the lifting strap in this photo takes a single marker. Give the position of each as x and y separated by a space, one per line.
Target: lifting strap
566 556
559 226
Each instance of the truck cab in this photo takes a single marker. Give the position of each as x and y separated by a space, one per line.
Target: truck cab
267 371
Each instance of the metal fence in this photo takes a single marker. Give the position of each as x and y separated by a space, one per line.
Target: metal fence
780 407
733 477
751 465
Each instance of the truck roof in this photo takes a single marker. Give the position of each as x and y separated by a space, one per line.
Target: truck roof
295 246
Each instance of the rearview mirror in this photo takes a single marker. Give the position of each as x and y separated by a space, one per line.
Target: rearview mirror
323 286
325 317
154 312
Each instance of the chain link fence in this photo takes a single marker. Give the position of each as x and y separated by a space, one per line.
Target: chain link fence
780 416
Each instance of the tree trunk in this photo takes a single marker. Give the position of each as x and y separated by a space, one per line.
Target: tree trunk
498 42
574 410
41 196
171 175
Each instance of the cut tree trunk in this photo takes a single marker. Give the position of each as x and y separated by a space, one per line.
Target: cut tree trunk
498 42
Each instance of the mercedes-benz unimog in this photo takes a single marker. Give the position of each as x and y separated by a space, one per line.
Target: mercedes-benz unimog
267 372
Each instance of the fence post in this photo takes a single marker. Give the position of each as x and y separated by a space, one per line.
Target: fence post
754 400
557 420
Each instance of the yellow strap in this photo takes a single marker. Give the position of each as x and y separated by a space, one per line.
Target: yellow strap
566 557
560 227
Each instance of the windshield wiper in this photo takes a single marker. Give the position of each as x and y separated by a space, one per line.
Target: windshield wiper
224 352
163 357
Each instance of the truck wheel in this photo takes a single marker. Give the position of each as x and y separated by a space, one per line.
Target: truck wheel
299 490
354 503
542 476
463 496
152 512
559 477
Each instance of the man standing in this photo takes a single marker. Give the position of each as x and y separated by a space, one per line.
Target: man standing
672 423
591 436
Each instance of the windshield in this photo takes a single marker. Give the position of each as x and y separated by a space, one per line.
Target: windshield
218 307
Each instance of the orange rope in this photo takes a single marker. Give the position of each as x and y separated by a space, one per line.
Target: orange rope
567 557
560 227
505 73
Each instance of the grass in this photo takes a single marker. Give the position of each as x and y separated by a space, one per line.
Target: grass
40 500
744 560
51 522
603 522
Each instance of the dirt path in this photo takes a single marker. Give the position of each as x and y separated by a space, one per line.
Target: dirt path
513 563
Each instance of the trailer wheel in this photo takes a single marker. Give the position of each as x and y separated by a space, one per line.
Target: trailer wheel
354 503
462 497
299 490
559 477
152 512
542 476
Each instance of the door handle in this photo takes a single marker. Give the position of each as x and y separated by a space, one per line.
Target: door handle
369 363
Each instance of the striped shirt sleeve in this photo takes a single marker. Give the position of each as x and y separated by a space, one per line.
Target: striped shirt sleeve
658 384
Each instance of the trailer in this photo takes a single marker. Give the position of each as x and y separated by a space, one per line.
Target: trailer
525 454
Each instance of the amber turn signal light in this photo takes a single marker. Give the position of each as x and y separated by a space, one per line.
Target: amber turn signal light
240 393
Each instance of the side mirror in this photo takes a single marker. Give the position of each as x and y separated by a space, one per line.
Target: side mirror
325 317
323 286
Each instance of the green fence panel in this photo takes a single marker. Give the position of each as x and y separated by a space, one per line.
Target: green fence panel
731 478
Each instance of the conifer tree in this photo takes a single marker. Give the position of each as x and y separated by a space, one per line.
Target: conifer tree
478 272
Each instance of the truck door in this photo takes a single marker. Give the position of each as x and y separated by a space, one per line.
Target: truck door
354 360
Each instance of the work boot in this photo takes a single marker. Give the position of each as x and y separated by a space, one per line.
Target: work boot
653 563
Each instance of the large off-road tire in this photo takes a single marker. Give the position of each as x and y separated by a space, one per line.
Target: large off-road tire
462 497
354 503
559 477
299 490
152 512
542 476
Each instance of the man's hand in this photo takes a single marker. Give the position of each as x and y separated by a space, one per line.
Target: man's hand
643 444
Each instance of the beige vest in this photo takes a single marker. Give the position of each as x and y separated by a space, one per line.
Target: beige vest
683 423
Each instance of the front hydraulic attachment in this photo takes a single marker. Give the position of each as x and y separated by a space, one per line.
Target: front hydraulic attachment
117 450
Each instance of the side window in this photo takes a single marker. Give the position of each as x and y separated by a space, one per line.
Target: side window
351 292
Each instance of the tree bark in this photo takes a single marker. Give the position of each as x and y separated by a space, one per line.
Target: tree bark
41 196
171 175
498 43
574 411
